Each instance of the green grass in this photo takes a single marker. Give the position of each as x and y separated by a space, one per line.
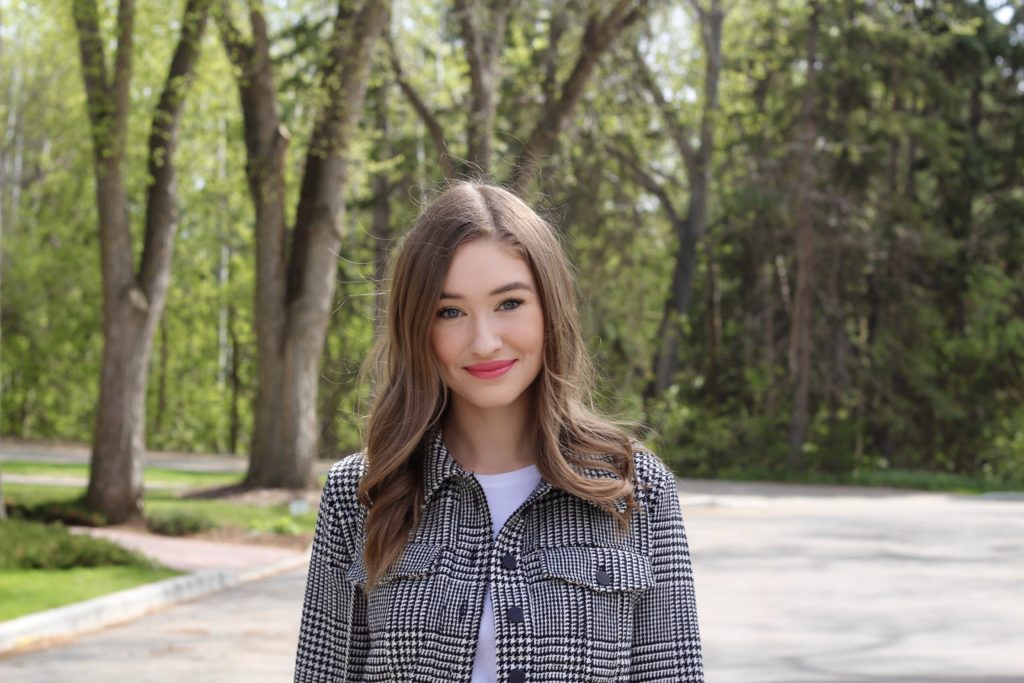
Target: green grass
44 566
220 513
152 476
233 515
24 591
899 479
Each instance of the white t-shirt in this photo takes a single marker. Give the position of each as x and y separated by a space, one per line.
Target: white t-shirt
505 493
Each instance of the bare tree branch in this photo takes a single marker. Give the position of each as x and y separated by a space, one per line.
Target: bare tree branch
597 38
434 128
679 134
645 179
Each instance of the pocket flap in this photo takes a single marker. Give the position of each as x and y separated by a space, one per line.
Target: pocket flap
600 569
417 559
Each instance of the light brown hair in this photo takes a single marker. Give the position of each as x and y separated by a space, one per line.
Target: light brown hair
409 398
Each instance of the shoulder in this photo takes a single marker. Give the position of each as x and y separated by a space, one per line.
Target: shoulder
651 476
342 483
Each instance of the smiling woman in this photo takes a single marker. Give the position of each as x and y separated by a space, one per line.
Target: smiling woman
494 528
488 340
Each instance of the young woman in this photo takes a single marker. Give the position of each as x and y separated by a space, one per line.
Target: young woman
494 528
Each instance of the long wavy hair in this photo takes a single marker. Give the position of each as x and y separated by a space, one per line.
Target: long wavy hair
409 399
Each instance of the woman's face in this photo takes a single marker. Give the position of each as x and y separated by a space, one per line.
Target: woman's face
488 330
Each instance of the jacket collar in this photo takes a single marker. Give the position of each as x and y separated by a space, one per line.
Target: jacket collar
438 464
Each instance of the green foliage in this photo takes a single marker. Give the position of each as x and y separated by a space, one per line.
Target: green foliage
29 545
42 508
25 591
919 290
178 522
281 526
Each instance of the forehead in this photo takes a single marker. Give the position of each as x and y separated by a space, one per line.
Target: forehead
483 265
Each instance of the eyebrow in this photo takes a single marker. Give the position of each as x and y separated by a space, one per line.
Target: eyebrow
500 290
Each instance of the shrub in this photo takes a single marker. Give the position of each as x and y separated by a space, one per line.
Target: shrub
31 545
178 522
75 512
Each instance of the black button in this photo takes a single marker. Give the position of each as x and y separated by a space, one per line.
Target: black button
508 561
515 615
462 610
472 556
516 676
603 577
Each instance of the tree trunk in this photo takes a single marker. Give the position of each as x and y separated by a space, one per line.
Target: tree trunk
697 162
293 308
132 302
483 48
234 425
714 318
670 329
801 323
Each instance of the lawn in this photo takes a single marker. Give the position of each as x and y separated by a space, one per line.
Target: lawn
24 591
151 477
163 503
44 566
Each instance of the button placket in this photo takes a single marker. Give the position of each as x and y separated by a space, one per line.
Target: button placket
509 590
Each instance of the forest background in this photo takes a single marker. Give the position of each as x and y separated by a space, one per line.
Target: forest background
797 224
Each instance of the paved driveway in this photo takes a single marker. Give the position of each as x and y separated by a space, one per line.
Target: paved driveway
794 585
837 585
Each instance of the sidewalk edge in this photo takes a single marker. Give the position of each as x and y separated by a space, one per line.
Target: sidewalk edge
127 605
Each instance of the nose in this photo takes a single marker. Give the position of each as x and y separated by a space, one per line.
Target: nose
486 337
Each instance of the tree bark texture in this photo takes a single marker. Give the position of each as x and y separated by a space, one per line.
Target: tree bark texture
800 338
295 291
133 302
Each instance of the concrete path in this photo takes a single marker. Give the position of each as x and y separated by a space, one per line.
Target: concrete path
794 585
245 634
832 585
193 555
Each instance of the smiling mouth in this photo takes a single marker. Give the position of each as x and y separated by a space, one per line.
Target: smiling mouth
490 369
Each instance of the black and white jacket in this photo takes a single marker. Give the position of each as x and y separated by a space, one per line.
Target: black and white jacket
575 599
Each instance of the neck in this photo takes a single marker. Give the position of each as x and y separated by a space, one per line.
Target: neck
491 441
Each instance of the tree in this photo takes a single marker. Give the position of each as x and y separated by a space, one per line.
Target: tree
803 218
688 225
483 30
295 273
133 299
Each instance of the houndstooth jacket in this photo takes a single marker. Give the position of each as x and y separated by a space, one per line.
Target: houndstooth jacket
575 599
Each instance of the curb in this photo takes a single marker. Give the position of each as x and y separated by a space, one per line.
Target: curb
106 610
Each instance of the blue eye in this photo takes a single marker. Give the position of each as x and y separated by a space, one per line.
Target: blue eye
448 313
510 304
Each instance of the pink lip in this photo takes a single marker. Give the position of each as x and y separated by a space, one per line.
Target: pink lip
490 369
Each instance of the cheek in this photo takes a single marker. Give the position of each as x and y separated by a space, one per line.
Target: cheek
443 345
532 335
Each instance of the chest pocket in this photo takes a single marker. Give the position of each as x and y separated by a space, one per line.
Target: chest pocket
583 607
402 611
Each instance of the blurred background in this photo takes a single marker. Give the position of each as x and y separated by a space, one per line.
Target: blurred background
797 225
798 233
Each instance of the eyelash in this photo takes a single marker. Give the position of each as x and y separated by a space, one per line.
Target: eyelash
501 306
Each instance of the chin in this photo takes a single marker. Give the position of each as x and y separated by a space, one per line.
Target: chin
491 402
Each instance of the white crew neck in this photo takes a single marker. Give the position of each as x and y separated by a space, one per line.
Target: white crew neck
512 478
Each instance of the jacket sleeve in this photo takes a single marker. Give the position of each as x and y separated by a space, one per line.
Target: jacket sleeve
333 637
666 639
